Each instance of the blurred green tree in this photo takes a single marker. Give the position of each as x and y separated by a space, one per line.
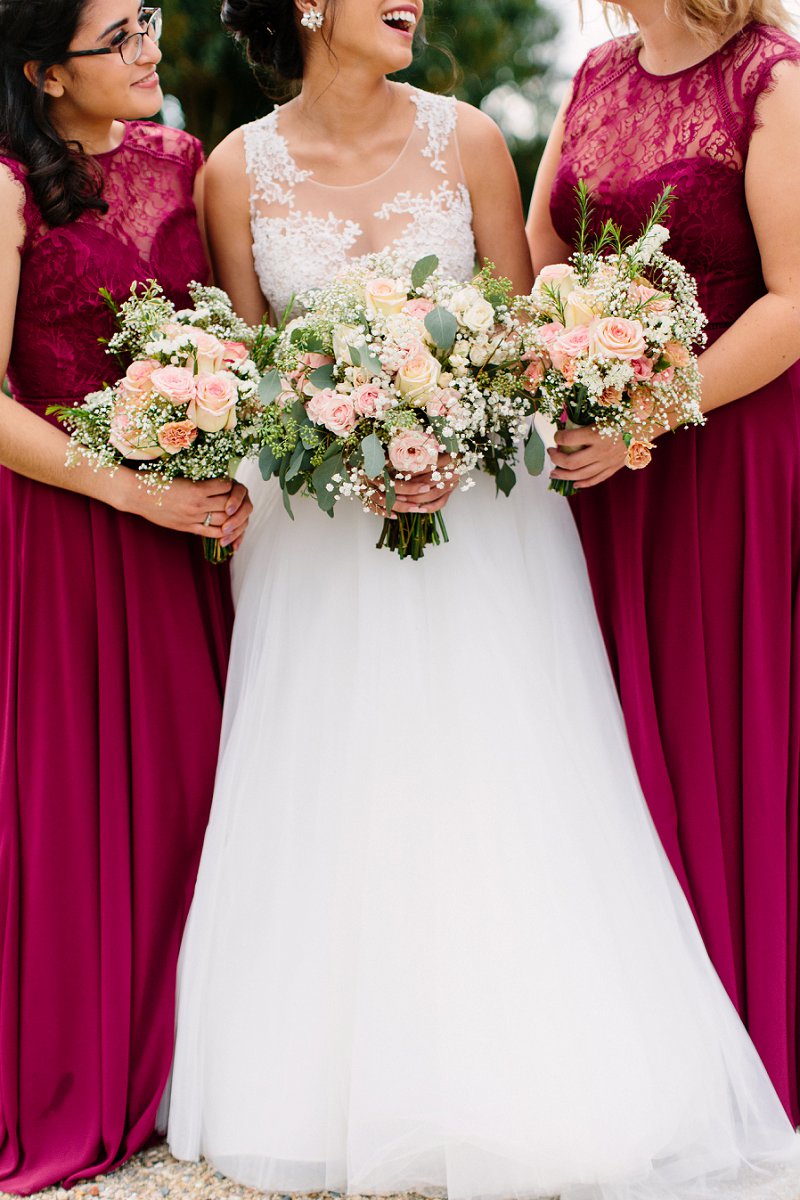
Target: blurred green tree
494 53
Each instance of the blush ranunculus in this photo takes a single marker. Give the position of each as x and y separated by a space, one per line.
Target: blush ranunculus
617 337
412 452
333 410
175 384
214 407
176 436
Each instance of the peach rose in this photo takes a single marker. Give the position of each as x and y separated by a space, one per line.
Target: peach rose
214 407
418 308
642 404
175 384
638 455
677 354
369 400
384 296
176 436
617 337
132 443
611 396
333 410
569 346
418 375
412 452
234 353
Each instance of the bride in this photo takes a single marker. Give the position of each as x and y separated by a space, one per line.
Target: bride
435 943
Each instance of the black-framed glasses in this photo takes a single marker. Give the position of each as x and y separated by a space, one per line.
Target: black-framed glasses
130 48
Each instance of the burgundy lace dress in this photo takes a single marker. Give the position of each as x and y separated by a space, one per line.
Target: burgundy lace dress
113 649
695 562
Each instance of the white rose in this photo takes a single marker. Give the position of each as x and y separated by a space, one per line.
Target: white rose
578 309
418 376
558 278
345 336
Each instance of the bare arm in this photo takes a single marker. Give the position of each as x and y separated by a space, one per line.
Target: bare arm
227 220
498 222
545 245
33 447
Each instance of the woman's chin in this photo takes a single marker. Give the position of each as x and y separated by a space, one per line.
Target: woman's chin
145 105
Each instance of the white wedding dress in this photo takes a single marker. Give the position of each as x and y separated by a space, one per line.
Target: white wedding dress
435 943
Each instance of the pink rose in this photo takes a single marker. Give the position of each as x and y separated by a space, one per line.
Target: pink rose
176 436
418 308
617 337
369 400
665 376
642 368
569 346
333 410
678 354
535 371
214 408
444 402
638 455
131 442
175 384
137 376
412 452
234 353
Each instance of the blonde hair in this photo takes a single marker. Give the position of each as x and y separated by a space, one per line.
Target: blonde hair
711 19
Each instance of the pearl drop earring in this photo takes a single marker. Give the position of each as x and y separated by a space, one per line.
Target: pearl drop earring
312 19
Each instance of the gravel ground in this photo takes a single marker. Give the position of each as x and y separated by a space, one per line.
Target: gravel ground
155 1174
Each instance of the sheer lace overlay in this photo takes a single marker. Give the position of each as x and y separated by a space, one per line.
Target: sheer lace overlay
149 232
305 232
692 130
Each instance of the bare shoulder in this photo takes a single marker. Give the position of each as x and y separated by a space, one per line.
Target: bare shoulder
227 163
781 98
477 132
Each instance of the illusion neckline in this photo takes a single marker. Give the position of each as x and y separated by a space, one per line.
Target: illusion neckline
348 187
655 75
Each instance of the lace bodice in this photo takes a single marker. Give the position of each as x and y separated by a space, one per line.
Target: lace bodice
628 133
305 232
149 232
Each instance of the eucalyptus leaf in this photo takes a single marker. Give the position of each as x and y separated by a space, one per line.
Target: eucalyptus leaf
296 462
322 476
442 326
370 361
423 270
391 494
322 377
268 462
374 456
355 354
534 452
287 504
505 479
270 387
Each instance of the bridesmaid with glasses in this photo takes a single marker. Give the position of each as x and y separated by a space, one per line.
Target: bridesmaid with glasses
114 632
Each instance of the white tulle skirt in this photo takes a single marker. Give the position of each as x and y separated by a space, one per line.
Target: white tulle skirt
435 943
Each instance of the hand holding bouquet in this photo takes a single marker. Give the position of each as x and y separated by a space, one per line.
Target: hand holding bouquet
611 337
382 374
187 406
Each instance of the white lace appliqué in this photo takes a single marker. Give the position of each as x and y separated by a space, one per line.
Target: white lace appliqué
296 249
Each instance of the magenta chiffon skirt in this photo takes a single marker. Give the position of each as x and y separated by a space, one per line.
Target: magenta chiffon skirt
113 647
695 565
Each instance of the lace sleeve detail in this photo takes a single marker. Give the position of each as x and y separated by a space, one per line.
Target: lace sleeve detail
437 115
599 70
272 171
27 211
752 75
162 141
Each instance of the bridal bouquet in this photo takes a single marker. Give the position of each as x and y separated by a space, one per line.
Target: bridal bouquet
384 372
188 404
611 337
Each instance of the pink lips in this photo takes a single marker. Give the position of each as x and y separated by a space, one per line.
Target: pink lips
149 82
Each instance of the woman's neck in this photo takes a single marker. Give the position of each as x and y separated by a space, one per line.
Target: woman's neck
345 106
94 136
666 45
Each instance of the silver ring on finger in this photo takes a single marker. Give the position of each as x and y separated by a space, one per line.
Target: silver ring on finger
209 518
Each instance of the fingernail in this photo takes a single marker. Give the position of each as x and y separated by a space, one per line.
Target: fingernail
226 541
230 510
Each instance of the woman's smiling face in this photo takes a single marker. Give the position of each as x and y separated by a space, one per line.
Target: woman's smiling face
377 31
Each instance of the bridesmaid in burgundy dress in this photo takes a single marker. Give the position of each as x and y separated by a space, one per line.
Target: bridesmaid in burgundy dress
113 630
695 562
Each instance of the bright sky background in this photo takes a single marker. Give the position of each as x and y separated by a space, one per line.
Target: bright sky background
574 41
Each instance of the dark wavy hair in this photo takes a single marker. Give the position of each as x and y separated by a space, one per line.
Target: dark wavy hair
65 181
268 30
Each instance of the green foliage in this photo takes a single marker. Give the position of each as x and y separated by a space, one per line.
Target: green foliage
498 44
